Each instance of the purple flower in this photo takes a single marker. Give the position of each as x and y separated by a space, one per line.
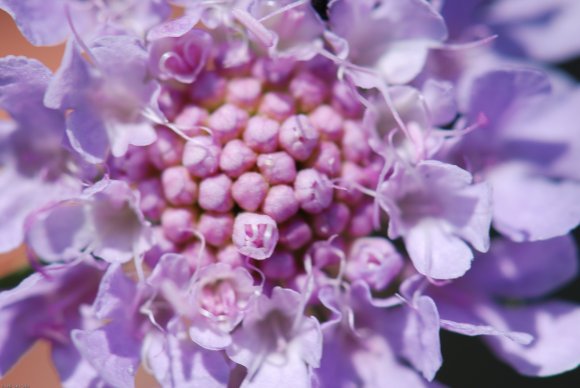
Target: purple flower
525 169
108 97
222 296
35 162
436 208
178 50
42 307
104 221
373 260
176 361
540 30
112 347
276 343
499 275
48 24
256 194
360 349
393 37
255 235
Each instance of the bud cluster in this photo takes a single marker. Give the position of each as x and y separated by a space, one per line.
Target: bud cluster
262 160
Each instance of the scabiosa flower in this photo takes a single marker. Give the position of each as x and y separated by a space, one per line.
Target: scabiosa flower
254 194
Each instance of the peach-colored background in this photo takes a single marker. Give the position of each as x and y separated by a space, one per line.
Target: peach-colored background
35 370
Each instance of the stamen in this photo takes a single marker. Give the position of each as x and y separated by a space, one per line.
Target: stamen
78 38
265 36
283 10
466 46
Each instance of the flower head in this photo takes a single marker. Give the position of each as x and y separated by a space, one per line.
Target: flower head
255 194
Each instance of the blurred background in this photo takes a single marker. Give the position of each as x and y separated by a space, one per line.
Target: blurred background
467 362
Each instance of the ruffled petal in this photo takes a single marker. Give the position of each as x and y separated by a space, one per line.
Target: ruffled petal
60 233
112 352
114 348
179 362
529 207
72 369
526 28
524 270
556 347
421 344
42 23
436 252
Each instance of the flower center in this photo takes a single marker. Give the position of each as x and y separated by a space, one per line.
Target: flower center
274 148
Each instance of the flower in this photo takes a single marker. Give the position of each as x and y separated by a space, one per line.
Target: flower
256 193
551 263
103 221
42 307
35 165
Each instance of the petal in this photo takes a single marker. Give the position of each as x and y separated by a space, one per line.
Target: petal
367 362
539 28
475 201
436 252
115 291
277 373
401 63
337 366
524 270
177 362
546 136
21 196
207 336
434 206
42 23
124 134
246 346
256 345
59 233
173 28
309 341
295 33
88 134
72 369
508 88
29 311
120 229
421 344
156 357
110 101
36 143
329 297
16 322
375 368
530 207
142 15
126 63
465 313
440 98
23 82
70 82
171 267
475 330
380 25
112 351
556 348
